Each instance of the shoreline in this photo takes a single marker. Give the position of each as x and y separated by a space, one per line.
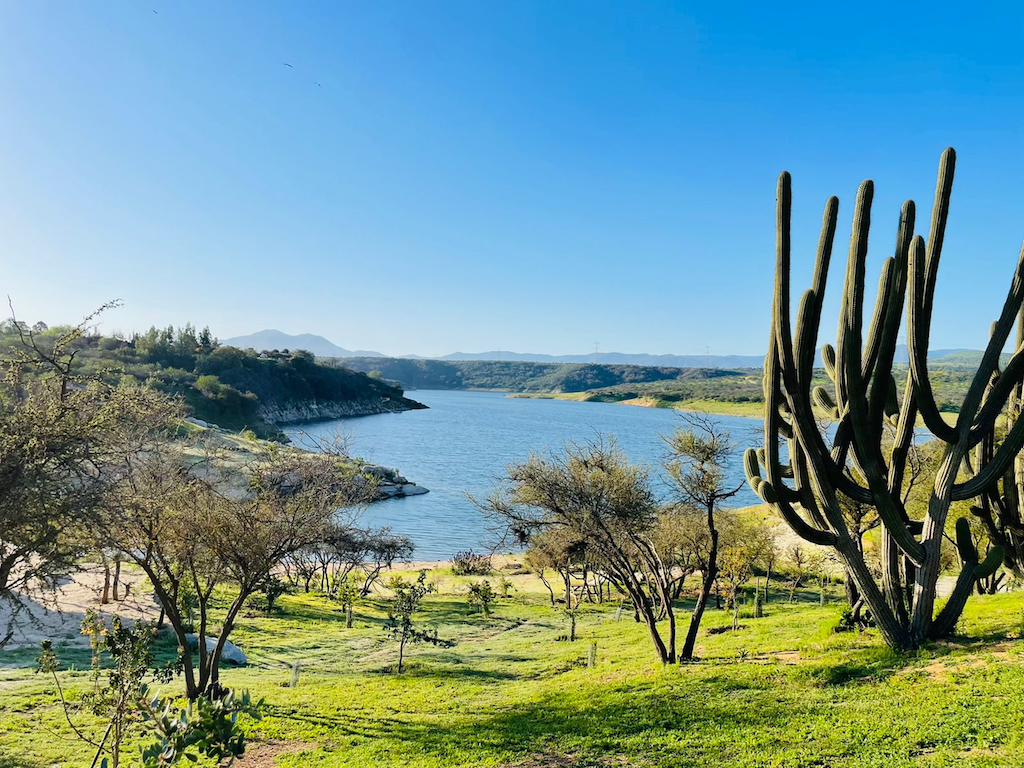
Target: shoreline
754 410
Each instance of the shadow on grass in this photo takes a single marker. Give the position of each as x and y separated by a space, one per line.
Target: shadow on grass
10 761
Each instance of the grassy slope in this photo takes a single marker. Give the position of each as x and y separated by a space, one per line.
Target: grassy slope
783 691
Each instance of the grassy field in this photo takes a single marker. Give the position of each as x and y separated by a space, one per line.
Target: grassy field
782 691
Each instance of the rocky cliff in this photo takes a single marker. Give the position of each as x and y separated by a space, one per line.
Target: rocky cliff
311 410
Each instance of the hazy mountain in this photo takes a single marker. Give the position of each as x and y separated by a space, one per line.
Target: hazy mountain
273 339
677 361
620 358
318 345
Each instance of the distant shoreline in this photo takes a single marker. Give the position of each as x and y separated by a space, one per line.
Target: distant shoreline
721 408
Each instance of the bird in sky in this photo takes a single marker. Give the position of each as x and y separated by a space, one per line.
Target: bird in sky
288 65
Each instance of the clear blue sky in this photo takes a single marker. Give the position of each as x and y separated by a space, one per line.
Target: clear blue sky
475 175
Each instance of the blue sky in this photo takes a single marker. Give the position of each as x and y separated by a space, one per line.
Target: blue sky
467 176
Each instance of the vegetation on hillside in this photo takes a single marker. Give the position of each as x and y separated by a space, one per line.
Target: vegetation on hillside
712 389
223 385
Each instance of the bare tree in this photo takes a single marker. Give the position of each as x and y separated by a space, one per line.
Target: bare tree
699 453
185 519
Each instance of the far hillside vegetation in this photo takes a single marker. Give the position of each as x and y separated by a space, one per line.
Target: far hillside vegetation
223 385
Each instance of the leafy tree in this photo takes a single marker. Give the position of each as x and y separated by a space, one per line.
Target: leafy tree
605 508
57 434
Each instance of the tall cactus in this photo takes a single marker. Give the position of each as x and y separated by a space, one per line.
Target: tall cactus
864 460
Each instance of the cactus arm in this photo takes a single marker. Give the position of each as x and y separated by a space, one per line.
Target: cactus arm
999 396
924 265
991 472
866 433
808 324
971 572
883 386
945 621
804 486
781 346
880 321
772 493
996 342
918 317
904 438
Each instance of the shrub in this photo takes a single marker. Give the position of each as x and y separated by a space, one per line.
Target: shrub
468 563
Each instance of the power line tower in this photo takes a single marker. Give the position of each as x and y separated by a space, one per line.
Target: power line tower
597 353
707 357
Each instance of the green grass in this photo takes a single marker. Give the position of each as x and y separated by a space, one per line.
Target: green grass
782 691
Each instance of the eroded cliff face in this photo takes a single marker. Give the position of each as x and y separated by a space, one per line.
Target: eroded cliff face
311 410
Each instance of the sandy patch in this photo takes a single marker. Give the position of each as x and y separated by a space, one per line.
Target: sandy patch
58 615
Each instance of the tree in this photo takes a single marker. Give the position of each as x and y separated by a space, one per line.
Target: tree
604 507
403 605
180 514
744 542
864 397
57 430
481 595
697 470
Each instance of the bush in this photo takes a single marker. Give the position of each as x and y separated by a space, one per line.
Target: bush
468 563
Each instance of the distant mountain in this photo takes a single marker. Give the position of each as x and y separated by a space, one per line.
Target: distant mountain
620 358
318 345
321 347
956 356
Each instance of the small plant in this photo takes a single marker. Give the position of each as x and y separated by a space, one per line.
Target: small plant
271 589
400 625
207 727
481 595
468 563
347 594
505 587
571 613
743 654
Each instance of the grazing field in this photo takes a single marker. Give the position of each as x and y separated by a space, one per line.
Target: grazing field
783 690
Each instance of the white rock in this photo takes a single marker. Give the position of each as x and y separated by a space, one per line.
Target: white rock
231 654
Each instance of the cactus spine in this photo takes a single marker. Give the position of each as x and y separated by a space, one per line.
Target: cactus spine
864 462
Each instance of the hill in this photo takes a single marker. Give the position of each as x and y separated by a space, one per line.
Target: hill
522 376
231 387
271 339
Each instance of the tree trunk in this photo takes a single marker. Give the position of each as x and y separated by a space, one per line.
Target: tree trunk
117 577
547 584
852 595
710 580
401 652
105 597
348 616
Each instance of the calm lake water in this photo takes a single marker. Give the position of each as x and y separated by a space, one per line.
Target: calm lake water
464 441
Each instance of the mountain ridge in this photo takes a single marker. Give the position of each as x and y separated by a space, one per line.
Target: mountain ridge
320 346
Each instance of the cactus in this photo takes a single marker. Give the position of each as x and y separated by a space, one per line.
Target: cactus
866 458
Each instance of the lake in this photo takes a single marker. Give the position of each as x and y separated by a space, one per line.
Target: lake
463 442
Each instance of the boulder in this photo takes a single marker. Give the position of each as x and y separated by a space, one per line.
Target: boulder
231 654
